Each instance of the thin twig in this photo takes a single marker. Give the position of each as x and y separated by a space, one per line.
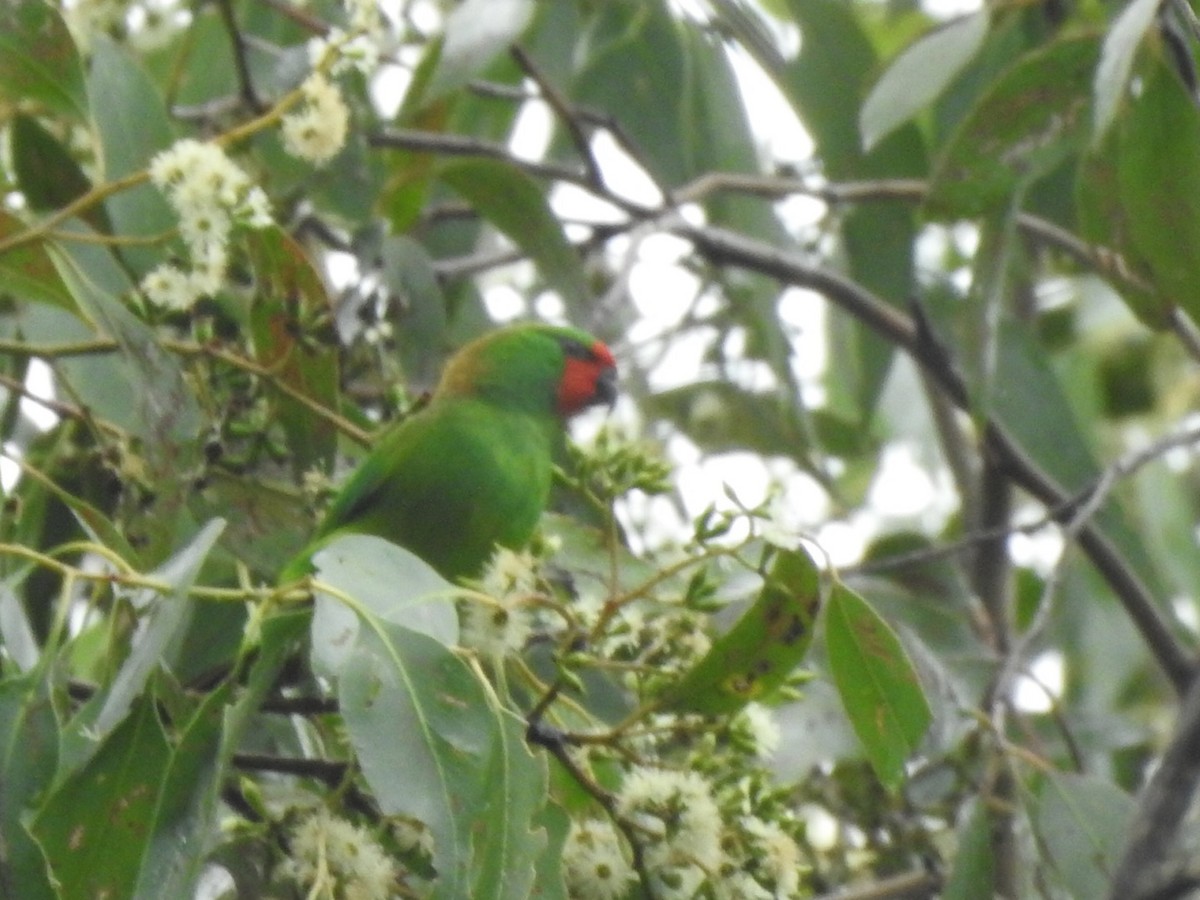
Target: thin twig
566 114
240 64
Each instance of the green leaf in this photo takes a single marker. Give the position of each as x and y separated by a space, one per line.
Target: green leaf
919 74
420 325
1158 182
1026 123
38 59
27 272
391 582
877 683
638 73
1104 222
973 872
1116 61
94 827
508 849
513 202
827 81
16 633
291 291
144 390
163 628
187 804
476 32
763 647
826 84
1029 401
1082 822
48 175
428 738
132 121
28 757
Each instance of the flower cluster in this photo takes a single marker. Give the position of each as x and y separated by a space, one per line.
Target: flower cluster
211 196
593 861
317 130
331 857
498 621
678 809
697 840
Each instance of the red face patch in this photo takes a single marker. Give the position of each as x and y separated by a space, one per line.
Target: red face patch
588 378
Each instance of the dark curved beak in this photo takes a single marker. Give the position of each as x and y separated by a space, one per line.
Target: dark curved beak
606 388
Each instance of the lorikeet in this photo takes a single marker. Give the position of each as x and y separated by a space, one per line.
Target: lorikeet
473 468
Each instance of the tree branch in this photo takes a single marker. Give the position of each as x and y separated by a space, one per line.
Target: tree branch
1146 870
729 248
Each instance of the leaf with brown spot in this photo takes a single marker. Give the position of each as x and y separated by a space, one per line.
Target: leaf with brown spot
877 683
760 651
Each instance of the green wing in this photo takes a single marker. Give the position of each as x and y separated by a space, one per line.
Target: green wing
449 484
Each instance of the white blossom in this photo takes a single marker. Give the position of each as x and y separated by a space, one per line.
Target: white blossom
317 130
758 723
170 287
679 807
777 856
593 863
339 859
211 195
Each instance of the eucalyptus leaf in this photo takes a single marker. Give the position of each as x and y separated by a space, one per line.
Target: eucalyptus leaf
1116 61
919 74
28 757
877 682
388 581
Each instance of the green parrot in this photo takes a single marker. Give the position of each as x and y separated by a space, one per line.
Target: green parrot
472 469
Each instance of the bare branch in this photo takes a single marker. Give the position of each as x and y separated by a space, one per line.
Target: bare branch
1147 869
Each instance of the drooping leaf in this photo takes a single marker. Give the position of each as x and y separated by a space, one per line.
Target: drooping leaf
433 747
919 74
637 73
1104 221
1028 399
132 121
1082 821
1116 61
475 33
143 386
1158 180
16 633
877 683
826 84
421 320
26 271
763 647
48 175
1028 121
165 625
512 201
187 802
973 872
28 757
290 296
389 581
507 849
38 59
94 827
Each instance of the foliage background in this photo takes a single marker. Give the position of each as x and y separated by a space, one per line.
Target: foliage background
993 235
